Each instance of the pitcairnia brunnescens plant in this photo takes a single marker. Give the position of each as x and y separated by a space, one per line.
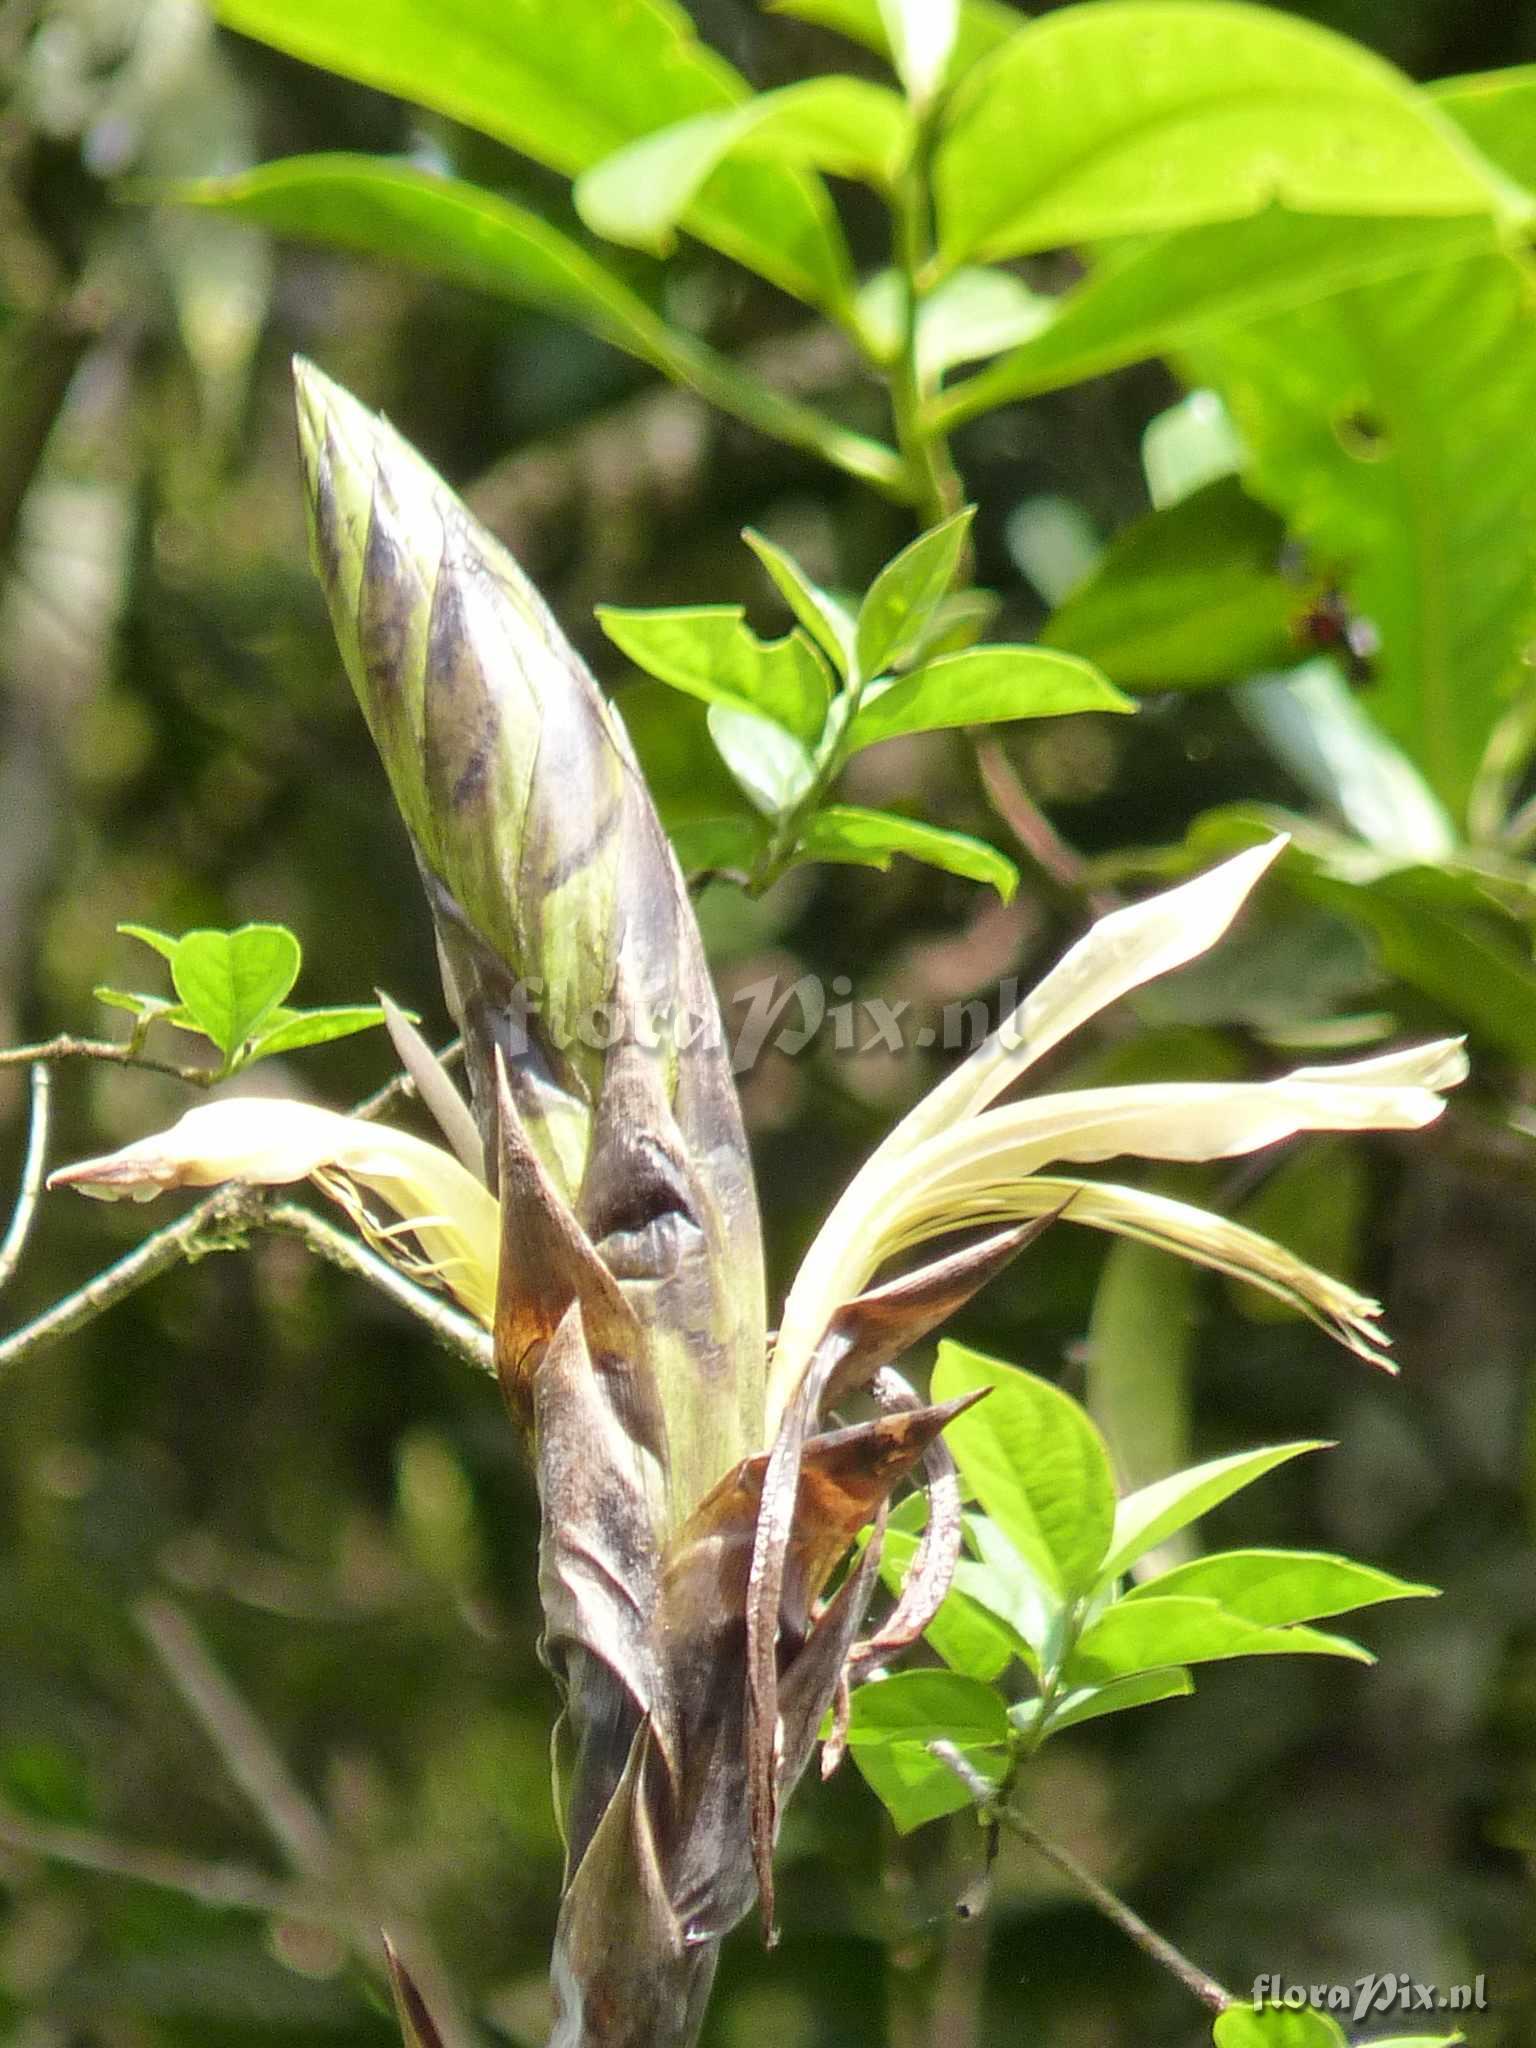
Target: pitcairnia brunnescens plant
599 1219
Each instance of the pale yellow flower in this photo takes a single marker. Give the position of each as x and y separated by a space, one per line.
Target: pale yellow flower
955 1161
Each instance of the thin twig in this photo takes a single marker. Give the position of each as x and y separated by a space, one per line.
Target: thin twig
249 1755
219 1221
31 1174
210 1884
254 1761
1215 1997
458 1333
1034 830
117 1053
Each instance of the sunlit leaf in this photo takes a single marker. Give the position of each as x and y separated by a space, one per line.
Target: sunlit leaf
829 624
1092 1702
1120 119
843 832
230 982
568 86
983 686
772 766
1145 1517
894 1721
1142 1635
1035 1462
969 1638
315 1027
1276 1587
907 590
712 653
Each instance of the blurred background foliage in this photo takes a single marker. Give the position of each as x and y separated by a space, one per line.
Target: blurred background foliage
344 1513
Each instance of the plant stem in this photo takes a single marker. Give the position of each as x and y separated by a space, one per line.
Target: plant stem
66 1046
1215 1997
31 1175
935 484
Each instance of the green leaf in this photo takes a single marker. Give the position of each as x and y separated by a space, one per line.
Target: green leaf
892 1723
641 193
1315 725
567 86
772 766
1139 1345
444 225
972 313
843 832
729 846
150 1007
1025 1596
1035 1462
1145 1517
711 652
1497 110
1091 1702
969 1638
1143 1635
982 26
1368 418
1186 597
907 590
1164 292
1274 1587
1240 2026
921 35
315 1027
230 982
983 686
162 942
688 781
1134 116
829 623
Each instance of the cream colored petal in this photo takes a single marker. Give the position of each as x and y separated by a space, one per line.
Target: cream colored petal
1120 953
271 1142
967 1172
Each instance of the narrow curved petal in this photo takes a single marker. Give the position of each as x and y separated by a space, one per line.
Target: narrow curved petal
271 1142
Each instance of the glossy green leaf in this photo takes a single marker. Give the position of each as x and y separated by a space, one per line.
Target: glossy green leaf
983 686
231 981
315 1027
1035 1462
1136 116
1141 1635
454 229
982 26
1092 1702
892 1723
162 942
772 766
1368 418
643 192
970 314
568 86
1497 110
965 1634
152 1008
828 622
872 839
1145 1517
1025 1596
1169 290
907 589
1240 2026
711 652
1274 1587
1187 597
921 35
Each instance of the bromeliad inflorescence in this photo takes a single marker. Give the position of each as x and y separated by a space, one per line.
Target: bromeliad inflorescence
600 1221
